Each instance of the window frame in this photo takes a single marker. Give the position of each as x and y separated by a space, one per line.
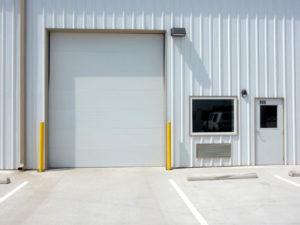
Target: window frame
235 116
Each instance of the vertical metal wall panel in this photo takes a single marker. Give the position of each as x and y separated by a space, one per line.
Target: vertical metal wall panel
229 46
297 85
9 84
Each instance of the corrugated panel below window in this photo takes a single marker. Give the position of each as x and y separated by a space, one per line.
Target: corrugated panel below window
213 150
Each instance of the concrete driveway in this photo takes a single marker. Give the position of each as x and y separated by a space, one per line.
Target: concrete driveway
149 196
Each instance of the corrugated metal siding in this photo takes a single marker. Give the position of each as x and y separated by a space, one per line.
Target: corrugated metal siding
230 45
9 84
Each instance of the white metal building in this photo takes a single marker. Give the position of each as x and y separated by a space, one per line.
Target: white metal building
106 76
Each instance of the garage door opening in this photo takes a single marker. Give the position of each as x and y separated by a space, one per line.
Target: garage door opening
106 100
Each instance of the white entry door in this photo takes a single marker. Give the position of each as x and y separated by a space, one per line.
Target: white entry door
106 100
269 131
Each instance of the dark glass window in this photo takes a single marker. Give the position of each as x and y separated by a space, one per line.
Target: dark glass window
268 116
212 115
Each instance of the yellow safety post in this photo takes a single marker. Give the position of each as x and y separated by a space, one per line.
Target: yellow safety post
41 156
168 146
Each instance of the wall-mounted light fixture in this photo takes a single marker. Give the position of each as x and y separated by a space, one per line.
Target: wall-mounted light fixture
244 93
178 32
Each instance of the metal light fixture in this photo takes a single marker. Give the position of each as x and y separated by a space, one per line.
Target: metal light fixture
178 32
244 93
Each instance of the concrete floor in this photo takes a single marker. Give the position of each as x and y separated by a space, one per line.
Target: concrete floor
137 196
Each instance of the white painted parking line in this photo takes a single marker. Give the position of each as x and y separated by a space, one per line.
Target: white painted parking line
13 192
286 180
188 203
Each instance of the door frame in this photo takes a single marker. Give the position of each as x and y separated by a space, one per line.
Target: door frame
283 126
47 33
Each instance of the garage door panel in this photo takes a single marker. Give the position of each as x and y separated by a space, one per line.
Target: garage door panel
95 62
97 56
126 155
124 138
110 85
141 157
106 105
108 82
117 100
126 98
98 119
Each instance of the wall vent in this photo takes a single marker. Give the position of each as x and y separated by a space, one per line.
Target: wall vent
213 150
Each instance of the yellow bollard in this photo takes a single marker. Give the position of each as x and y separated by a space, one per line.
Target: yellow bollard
41 154
168 146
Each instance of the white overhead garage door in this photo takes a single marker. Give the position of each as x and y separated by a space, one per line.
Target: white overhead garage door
106 100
